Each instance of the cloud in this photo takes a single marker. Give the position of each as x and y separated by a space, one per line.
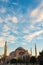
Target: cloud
37 10
2 10
1 38
15 31
37 13
11 18
4 0
40 17
14 19
23 43
1 20
14 3
2 44
34 12
31 36
5 34
39 38
32 26
2 41
5 28
10 39
25 30
8 19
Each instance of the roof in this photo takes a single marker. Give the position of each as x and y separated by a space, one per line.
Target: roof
20 48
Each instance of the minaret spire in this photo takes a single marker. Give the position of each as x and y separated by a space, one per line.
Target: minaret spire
35 51
31 51
5 53
5 49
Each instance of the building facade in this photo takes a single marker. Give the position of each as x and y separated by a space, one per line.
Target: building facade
19 53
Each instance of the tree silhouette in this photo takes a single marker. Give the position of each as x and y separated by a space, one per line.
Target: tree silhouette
33 60
12 61
20 61
40 58
0 60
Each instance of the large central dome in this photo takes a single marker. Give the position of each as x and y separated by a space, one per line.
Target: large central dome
20 48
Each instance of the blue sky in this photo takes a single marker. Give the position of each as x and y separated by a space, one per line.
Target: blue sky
21 24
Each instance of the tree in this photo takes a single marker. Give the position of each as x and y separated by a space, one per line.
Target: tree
40 58
33 60
7 62
12 61
0 60
26 59
20 61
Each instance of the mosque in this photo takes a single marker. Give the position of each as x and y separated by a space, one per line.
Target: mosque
18 53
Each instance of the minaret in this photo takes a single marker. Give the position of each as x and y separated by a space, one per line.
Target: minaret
5 49
31 51
5 53
35 51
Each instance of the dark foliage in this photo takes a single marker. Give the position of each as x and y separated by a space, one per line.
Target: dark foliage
40 58
12 61
33 60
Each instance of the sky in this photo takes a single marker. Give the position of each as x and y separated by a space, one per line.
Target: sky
21 24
